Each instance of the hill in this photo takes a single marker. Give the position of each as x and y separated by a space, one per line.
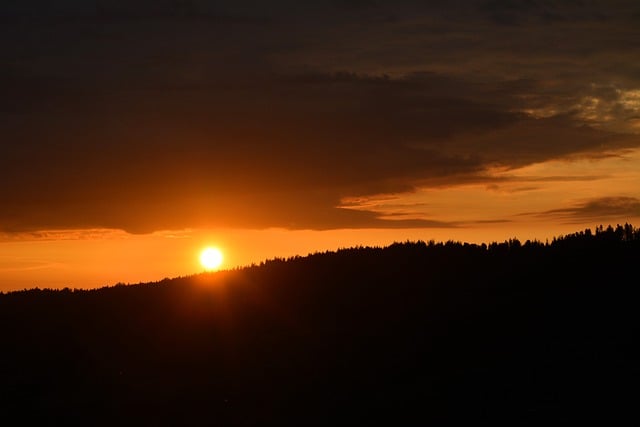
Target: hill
411 334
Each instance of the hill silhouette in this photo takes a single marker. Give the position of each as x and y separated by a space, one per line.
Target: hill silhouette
415 333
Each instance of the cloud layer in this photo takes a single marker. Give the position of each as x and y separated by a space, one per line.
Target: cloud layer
165 115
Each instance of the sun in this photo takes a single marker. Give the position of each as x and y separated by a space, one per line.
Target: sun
211 258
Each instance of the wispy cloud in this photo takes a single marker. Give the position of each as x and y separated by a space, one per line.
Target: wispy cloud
57 235
603 208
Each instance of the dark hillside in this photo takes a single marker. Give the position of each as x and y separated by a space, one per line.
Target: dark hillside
411 334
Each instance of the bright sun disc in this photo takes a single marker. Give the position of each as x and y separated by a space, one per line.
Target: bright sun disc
211 258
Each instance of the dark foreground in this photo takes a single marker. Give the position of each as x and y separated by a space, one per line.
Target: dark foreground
412 334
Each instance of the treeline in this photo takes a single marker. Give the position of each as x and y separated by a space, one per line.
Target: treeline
410 334
586 239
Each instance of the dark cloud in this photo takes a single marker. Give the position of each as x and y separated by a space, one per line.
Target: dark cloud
516 12
597 209
149 115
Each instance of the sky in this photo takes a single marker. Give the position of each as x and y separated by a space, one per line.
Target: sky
135 133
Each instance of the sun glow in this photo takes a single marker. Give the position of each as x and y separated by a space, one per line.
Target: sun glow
211 258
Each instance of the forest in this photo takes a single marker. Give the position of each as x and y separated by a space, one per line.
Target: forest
415 333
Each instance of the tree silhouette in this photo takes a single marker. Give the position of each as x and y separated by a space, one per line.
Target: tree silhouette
413 333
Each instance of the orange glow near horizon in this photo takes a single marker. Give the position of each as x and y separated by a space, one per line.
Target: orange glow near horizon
109 257
538 201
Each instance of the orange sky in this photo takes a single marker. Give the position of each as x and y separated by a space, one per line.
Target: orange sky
282 128
538 201
88 262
